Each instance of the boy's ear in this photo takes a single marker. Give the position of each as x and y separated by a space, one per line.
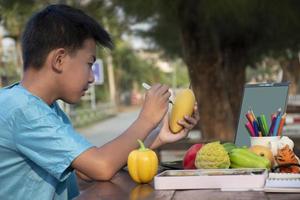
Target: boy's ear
57 59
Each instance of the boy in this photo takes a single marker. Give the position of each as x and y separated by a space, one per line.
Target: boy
39 148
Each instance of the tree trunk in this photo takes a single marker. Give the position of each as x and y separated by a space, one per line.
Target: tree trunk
218 91
111 79
217 75
235 76
19 61
291 72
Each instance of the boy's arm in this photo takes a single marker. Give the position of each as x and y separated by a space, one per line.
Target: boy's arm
83 176
103 162
163 135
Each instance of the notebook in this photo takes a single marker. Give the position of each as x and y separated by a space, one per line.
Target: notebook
282 182
261 98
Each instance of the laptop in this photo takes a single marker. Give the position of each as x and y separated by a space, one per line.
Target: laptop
262 98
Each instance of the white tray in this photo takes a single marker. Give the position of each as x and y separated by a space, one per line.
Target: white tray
224 179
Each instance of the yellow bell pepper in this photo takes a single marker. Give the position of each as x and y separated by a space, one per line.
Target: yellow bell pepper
142 164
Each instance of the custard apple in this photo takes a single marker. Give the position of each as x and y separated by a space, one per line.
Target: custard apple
212 156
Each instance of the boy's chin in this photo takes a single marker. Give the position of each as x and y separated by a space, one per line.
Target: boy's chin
72 100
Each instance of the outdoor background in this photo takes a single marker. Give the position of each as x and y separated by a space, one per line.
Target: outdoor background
216 46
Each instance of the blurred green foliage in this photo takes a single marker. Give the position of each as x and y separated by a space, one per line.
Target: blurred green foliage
130 68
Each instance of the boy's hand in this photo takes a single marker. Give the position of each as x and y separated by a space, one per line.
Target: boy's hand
166 136
156 104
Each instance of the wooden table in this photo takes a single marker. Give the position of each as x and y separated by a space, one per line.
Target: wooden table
122 187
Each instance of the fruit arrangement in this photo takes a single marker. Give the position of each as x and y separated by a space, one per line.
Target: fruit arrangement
215 155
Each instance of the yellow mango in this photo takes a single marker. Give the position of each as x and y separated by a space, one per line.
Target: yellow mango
183 105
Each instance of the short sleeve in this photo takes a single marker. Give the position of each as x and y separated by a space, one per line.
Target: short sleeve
48 141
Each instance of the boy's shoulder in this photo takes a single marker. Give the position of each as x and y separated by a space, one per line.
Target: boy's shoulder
15 97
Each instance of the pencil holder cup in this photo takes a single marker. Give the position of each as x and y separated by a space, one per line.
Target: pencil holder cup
268 141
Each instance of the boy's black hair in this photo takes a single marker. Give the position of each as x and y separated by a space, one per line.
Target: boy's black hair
59 26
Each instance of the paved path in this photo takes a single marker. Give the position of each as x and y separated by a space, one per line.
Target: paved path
104 131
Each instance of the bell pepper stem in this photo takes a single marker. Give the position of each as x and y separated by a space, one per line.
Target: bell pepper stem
142 146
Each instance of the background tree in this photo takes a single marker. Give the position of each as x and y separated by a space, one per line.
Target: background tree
129 68
217 39
14 14
291 72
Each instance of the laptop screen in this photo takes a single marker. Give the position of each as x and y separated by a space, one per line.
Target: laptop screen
264 98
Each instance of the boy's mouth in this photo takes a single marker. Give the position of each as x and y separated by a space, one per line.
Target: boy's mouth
86 88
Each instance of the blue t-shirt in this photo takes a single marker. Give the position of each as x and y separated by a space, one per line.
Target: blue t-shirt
37 146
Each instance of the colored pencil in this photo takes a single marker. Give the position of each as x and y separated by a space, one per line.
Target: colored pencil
256 129
250 129
282 121
260 125
273 121
249 117
252 113
277 123
265 125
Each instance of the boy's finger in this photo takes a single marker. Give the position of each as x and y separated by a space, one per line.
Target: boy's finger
155 87
183 133
195 107
163 89
166 96
191 120
196 113
185 124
